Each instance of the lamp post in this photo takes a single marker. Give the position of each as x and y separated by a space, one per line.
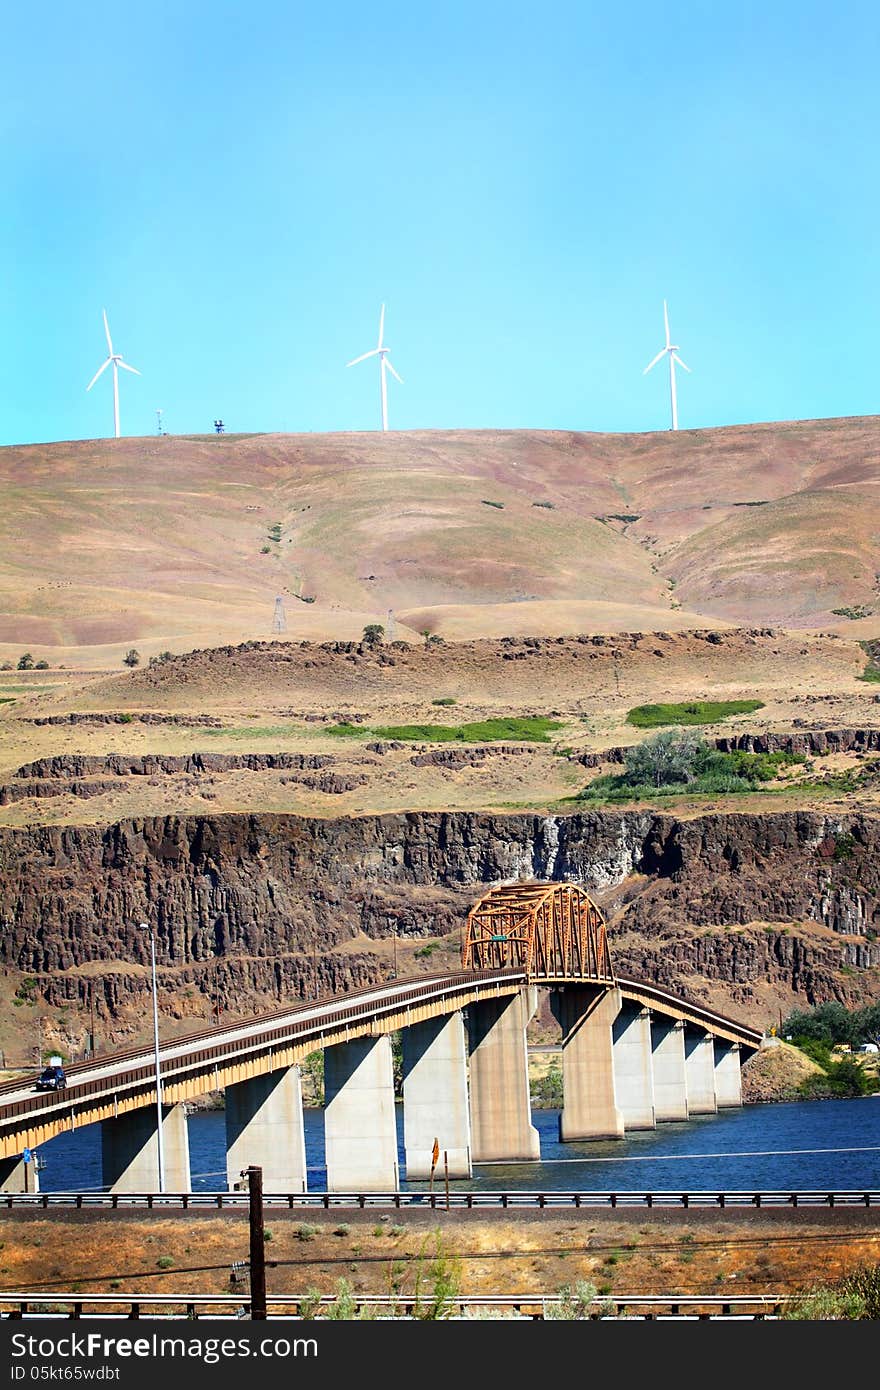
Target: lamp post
147 926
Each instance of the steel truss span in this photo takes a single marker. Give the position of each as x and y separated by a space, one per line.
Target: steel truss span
552 931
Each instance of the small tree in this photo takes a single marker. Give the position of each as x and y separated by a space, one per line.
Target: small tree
373 634
26 662
673 755
132 657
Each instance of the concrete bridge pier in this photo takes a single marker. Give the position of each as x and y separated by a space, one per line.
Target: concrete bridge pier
699 1055
586 1014
130 1151
264 1127
633 1069
360 1130
670 1081
18 1176
501 1112
435 1097
728 1078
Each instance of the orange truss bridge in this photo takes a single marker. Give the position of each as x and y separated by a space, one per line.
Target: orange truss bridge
552 931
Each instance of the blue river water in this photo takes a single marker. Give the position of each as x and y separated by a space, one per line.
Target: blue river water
833 1144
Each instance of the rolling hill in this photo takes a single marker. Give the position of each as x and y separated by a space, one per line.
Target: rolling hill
184 542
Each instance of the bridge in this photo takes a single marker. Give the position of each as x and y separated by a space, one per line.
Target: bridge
633 1056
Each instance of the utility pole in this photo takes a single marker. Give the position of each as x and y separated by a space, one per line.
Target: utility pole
258 1242
92 1019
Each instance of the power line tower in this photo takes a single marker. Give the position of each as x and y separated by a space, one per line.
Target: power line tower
391 626
279 617
160 428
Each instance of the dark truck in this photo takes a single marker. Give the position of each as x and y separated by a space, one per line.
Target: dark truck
52 1078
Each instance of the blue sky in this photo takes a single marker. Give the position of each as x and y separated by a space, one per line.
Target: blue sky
242 186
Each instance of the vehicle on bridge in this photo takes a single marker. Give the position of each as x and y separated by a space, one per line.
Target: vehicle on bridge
52 1078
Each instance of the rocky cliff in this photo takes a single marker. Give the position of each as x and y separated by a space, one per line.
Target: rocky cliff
257 909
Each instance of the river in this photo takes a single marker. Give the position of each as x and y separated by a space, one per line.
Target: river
833 1144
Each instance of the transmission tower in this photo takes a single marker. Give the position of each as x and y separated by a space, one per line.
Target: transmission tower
160 428
279 617
391 626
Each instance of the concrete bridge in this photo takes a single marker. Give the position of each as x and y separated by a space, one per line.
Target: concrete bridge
633 1056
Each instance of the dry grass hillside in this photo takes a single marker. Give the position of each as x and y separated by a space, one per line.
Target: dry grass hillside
183 542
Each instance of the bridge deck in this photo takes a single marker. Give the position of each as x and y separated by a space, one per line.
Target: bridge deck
216 1057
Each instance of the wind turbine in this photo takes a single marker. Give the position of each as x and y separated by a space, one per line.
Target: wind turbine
670 351
382 353
116 359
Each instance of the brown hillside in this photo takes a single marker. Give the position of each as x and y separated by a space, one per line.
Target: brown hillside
169 542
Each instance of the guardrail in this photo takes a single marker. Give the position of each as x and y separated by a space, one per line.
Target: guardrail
434 1201
534 1306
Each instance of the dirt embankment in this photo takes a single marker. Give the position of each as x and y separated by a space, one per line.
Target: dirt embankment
735 1252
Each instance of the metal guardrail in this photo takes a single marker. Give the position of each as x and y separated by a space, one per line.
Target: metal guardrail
534 1306
434 1201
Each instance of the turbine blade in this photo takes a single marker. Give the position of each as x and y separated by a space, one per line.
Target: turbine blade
666 324
393 372
374 352
125 367
676 358
107 331
101 369
654 361
381 324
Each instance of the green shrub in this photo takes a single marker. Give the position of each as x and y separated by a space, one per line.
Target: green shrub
305 1232
444 700
523 730
691 712
499 505
165 1261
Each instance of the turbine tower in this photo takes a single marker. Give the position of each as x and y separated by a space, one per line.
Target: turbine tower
670 351
115 359
382 353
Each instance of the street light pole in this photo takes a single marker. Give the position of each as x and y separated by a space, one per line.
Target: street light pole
147 926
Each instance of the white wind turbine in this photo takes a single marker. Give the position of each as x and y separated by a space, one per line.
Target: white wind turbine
670 351
115 359
382 353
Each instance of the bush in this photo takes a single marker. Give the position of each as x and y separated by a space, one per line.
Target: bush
132 657
373 634
499 505
26 662
305 1232
444 700
165 1261
670 756
692 712
42 666
575 1302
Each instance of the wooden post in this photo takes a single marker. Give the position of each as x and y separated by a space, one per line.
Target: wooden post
258 1246
446 1170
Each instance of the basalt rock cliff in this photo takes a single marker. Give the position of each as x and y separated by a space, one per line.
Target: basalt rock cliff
258 910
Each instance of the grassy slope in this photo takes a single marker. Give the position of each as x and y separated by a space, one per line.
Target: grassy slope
158 541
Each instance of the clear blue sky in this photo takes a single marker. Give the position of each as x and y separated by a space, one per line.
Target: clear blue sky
241 185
